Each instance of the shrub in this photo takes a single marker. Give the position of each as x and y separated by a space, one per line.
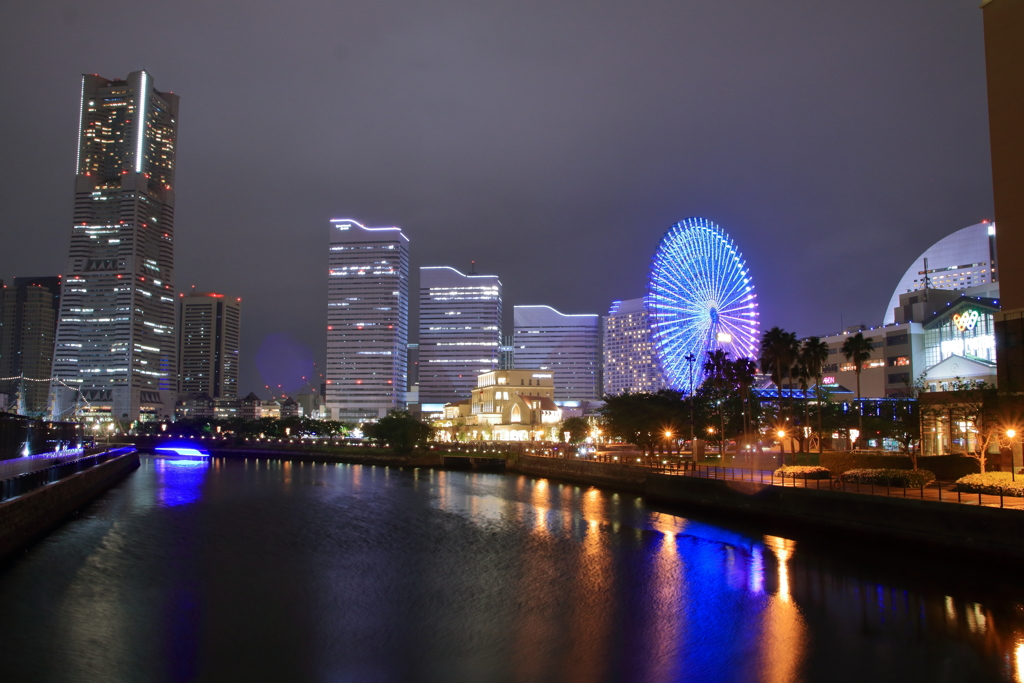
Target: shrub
802 472
909 478
994 483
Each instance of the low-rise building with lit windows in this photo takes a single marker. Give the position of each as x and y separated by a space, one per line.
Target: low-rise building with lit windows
507 405
953 338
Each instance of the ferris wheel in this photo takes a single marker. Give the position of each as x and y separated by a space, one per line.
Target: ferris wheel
700 298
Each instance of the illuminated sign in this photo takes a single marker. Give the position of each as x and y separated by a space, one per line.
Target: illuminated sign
543 376
967 320
828 381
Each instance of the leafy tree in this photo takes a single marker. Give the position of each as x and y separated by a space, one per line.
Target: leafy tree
643 418
578 428
400 430
742 375
858 349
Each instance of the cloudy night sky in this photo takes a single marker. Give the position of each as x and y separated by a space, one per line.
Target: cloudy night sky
552 142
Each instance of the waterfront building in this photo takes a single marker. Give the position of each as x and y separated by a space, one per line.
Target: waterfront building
964 261
115 334
209 327
629 360
953 341
28 324
460 333
309 402
367 321
506 405
568 346
250 407
290 408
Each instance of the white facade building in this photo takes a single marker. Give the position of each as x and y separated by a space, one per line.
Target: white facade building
629 357
367 321
567 345
965 260
460 330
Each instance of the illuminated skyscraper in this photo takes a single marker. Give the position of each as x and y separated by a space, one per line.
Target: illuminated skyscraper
629 361
27 326
115 335
367 320
209 326
460 330
567 345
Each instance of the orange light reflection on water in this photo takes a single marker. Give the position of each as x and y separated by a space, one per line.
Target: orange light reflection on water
783 638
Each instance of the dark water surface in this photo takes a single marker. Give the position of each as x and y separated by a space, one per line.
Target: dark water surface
256 571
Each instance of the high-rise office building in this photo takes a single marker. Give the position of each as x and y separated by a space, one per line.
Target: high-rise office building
209 328
567 345
115 334
367 320
28 324
629 357
460 330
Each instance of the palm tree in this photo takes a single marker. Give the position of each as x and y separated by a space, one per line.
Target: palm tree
813 355
802 377
778 351
858 349
742 373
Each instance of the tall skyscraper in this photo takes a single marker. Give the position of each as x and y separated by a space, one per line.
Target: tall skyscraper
629 359
209 327
115 335
460 330
567 345
28 325
367 320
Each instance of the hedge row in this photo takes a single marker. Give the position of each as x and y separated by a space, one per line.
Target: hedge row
802 472
888 477
994 483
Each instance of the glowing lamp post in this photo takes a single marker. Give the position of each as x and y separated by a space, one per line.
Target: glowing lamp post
1016 456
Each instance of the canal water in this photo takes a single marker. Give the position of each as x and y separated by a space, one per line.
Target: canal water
276 571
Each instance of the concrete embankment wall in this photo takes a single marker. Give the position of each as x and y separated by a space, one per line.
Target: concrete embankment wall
951 526
623 477
27 517
299 455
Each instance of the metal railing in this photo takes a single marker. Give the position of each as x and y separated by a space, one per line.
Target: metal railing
30 481
939 491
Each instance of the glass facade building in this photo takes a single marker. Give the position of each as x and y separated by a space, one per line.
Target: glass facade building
569 346
115 334
460 332
367 321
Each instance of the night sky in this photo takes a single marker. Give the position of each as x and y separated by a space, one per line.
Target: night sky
553 142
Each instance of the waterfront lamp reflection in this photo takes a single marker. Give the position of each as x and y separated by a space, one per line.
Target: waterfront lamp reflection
180 480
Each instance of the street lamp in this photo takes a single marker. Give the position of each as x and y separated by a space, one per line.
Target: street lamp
1014 447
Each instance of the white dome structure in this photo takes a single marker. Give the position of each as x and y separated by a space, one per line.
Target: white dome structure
964 260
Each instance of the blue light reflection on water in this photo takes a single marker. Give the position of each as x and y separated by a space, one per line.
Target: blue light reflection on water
179 481
288 571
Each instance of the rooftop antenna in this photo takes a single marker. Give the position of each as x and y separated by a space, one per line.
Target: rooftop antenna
472 267
926 280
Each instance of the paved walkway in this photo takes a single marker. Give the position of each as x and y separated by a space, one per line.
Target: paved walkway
944 491
12 468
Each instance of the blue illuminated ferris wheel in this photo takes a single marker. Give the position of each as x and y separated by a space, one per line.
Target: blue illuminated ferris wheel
700 298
